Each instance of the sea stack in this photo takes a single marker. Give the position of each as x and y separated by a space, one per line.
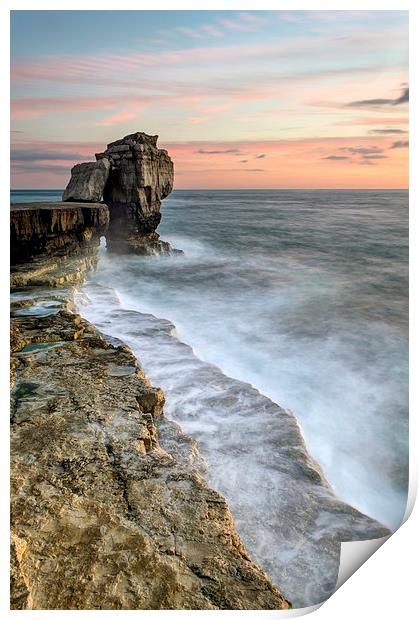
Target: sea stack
132 177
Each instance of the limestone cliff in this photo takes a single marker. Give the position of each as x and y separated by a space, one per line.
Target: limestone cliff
102 516
133 176
47 228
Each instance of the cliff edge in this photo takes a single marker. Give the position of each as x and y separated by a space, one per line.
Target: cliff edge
48 228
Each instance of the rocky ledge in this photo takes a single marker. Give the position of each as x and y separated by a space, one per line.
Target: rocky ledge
102 516
47 228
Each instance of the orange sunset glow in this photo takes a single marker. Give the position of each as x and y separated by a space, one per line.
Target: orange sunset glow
304 99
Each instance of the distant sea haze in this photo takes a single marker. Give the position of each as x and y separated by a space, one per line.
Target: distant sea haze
304 295
35 195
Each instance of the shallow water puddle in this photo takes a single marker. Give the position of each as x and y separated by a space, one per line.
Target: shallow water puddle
43 308
41 346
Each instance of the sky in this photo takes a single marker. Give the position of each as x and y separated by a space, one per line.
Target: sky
240 99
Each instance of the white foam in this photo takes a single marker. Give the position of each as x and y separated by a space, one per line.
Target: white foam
284 508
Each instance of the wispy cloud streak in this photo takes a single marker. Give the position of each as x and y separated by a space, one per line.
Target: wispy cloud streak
403 98
400 144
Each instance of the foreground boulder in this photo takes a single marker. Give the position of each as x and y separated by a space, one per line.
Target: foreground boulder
132 176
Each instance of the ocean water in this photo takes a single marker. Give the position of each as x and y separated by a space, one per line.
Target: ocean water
35 195
288 305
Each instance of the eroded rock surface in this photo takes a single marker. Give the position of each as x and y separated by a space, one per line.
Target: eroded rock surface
133 176
87 181
102 516
47 228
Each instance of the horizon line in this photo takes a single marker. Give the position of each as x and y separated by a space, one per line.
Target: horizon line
226 189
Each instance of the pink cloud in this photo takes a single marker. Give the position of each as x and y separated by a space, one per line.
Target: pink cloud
374 120
220 107
34 107
115 119
96 69
241 21
152 72
195 99
198 119
54 152
125 69
282 164
280 168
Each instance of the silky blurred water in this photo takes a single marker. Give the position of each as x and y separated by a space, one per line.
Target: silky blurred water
304 295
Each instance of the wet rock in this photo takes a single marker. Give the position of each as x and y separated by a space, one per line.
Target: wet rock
102 516
57 271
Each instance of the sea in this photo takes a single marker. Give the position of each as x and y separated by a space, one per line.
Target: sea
302 295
